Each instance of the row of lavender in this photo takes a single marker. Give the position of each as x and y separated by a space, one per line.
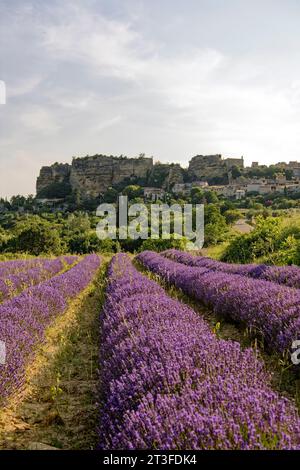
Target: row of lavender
15 266
19 265
167 382
288 275
17 277
24 318
270 309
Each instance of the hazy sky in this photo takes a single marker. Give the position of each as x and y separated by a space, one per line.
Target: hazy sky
169 78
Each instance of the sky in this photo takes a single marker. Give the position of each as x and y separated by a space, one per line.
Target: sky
168 78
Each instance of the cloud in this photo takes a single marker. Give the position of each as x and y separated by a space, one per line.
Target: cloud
166 80
110 48
20 87
40 119
106 124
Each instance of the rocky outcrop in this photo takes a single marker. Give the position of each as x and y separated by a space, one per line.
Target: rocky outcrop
57 173
209 167
94 175
234 162
202 167
175 176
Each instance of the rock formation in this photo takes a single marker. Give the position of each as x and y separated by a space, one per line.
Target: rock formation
57 173
175 176
208 167
93 175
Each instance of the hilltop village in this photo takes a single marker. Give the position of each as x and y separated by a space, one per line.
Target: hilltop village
93 177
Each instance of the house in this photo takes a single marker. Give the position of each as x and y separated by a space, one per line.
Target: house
262 187
240 193
200 184
217 189
296 171
54 203
179 188
153 194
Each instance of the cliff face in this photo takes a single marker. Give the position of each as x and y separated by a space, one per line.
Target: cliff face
207 167
94 175
202 167
175 176
57 173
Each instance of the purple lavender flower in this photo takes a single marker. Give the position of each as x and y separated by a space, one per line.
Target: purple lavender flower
16 276
288 275
271 309
24 318
167 382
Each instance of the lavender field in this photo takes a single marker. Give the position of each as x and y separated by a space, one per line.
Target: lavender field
169 383
25 317
134 366
272 309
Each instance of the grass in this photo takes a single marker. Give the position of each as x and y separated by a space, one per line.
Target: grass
215 251
58 406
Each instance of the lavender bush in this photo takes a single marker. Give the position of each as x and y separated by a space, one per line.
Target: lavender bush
288 275
32 274
16 266
24 318
167 382
272 310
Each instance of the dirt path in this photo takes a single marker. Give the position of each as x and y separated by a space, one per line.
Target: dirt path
242 226
59 407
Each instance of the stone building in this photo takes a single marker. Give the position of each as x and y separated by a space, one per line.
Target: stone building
207 167
153 194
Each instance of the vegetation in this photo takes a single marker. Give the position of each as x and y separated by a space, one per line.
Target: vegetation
56 190
67 225
273 241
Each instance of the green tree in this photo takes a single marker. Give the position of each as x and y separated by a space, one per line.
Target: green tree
235 171
133 191
215 228
197 196
161 244
110 196
37 239
211 197
231 216
55 190
17 201
79 222
82 243
262 241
